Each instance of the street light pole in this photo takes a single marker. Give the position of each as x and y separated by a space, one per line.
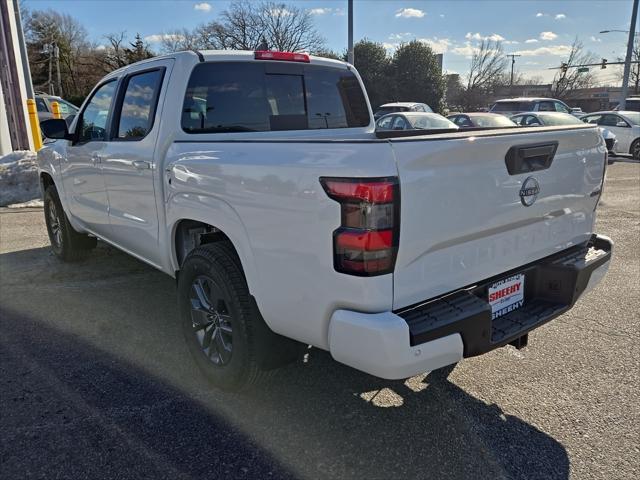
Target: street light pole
350 32
513 62
627 61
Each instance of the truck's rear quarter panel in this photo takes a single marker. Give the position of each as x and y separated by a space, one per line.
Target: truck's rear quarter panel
280 210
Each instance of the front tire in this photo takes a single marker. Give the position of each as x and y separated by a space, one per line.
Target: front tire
219 319
635 149
67 244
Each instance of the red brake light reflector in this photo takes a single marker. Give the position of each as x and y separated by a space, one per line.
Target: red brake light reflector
282 56
366 240
372 192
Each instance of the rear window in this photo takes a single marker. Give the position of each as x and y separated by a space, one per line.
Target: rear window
265 96
492 121
633 104
512 107
386 110
560 119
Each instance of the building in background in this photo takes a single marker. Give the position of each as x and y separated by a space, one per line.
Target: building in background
14 131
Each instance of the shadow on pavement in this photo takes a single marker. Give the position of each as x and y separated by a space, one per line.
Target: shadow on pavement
96 379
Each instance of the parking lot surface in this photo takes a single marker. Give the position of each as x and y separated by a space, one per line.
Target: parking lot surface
96 382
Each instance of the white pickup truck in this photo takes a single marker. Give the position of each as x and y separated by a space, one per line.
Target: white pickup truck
257 180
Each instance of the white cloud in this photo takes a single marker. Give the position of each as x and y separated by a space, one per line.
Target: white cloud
280 12
389 46
477 36
101 47
467 50
438 45
400 36
511 42
203 7
531 40
539 14
410 13
560 16
548 36
558 50
163 36
442 15
320 11
595 39
339 12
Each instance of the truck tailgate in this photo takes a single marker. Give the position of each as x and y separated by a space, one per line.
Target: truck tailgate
463 218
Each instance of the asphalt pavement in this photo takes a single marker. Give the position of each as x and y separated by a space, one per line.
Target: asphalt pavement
96 382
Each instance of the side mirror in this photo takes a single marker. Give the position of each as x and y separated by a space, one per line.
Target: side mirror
621 124
55 128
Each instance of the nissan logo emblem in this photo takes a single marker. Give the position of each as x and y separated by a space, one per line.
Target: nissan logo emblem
529 191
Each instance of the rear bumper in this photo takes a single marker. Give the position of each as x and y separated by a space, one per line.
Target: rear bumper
444 330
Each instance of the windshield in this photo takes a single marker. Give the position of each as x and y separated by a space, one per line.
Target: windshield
633 117
430 121
512 107
491 121
559 119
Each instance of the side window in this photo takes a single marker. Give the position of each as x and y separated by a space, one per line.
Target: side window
609 120
385 123
93 124
593 119
66 108
531 121
517 120
139 105
546 107
561 108
41 106
399 123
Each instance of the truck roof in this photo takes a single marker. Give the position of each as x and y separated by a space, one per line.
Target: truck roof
231 55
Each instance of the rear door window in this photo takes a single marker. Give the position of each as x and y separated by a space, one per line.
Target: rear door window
546 107
260 96
138 105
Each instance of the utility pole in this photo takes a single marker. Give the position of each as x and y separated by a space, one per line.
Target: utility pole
627 61
350 33
513 62
56 54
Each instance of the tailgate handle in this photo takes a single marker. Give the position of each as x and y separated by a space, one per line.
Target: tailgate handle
530 158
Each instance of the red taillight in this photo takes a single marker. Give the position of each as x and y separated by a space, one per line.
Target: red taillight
282 56
367 241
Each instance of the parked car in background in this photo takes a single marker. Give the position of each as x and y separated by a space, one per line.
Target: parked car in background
43 105
511 106
624 124
631 105
414 121
480 119
547 119
401 107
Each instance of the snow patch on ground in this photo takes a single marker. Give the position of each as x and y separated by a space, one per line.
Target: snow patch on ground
19 178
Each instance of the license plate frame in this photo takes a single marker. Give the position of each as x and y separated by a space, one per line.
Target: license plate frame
506 295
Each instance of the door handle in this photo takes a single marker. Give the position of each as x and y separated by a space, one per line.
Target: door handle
141 164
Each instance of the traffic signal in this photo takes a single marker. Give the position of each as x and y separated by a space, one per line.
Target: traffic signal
564 67
604 64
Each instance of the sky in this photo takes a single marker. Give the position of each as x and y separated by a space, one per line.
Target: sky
540 31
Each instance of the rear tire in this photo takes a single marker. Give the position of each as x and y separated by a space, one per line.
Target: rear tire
635 149
220 321
68 244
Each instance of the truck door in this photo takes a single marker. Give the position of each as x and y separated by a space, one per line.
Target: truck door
82 166
129 164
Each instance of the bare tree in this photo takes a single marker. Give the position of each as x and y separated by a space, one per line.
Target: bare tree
246 25
487 66
567 81
486 72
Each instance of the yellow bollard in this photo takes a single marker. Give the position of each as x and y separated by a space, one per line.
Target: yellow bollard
55 109
35 124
